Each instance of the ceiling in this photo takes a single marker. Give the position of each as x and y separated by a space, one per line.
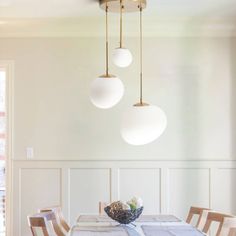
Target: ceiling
83 17
76 8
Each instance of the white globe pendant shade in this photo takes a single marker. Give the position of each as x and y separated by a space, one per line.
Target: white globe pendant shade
141 125
106 91
122 57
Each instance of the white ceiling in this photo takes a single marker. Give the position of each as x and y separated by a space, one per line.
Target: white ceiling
75 8
64 16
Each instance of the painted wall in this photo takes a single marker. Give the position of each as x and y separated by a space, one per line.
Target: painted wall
191 79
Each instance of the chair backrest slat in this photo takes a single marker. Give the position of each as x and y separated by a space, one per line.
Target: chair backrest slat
42 220
199 211
59 216
216 217
102 205
38 221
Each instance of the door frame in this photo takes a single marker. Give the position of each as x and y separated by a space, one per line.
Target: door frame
8 67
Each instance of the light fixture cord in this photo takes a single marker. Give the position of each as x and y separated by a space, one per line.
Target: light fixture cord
107 52
141 53
121 23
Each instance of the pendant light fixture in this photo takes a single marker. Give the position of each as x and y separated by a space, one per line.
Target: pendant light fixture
107 90
122 57
142 123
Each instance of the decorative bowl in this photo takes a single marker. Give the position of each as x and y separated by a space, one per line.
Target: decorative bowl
123 216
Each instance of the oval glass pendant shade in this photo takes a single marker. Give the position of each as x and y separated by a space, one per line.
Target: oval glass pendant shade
141 125
106 92
122 57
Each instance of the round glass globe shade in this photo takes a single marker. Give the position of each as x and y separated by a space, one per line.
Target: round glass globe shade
106 92
122 57
141 125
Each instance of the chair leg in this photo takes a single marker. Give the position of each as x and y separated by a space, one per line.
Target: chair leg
32 231
45 232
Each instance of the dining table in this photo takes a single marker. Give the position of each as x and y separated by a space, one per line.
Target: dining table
145 225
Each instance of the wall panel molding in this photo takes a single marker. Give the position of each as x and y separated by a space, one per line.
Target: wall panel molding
166 186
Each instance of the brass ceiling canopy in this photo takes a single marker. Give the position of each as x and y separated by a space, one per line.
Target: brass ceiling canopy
129 5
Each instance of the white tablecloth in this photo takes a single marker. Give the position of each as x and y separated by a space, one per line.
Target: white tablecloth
145 226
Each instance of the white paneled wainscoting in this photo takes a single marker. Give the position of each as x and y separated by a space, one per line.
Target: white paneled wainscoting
78 186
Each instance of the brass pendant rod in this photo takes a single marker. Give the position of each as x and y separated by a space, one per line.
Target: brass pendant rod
107 45
141 53
121 23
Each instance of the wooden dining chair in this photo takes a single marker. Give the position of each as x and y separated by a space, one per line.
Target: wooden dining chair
59 216
46 222
201 214
102 205
232 232
223 220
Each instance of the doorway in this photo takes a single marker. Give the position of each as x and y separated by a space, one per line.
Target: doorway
2 152
5 147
